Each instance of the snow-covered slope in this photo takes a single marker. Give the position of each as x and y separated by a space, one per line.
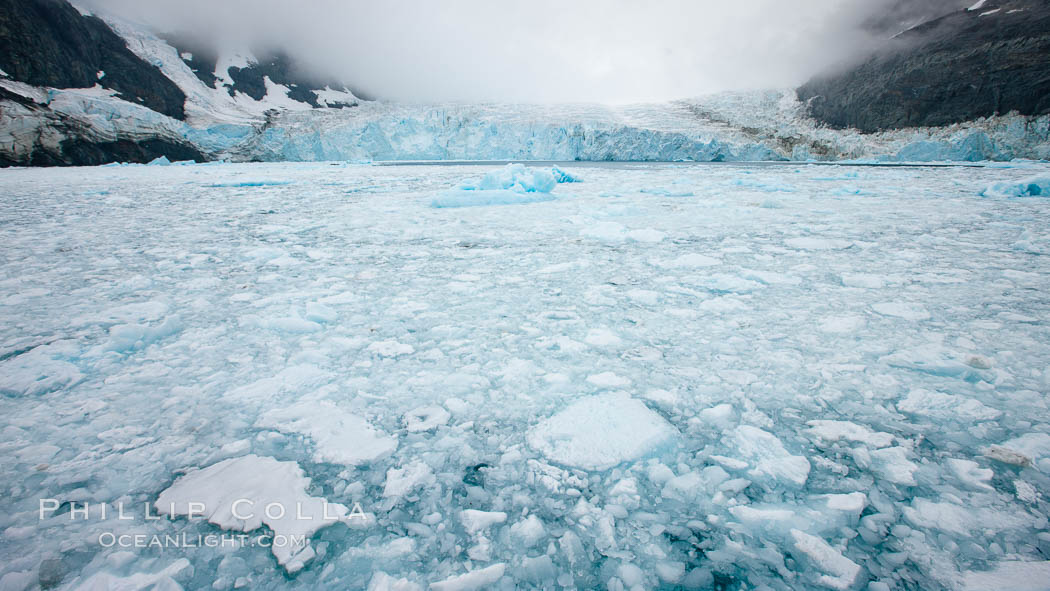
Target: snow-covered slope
221 102
105 118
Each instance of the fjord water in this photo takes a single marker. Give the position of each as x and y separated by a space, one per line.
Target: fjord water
660 375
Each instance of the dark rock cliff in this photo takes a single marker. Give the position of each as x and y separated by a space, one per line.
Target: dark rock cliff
278 66
961 66
49 43
80 146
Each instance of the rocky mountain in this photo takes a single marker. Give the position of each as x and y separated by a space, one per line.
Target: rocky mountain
78 89
49 43
897 16
992 57
248 75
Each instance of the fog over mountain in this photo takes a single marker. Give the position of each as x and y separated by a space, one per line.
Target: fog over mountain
543 51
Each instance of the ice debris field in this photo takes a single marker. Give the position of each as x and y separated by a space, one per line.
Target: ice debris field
477 377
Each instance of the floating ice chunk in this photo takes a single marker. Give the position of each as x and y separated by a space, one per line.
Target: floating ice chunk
831 431
160 161
318 312
38 371
601 337
162 579
383 582
947 517
933 359
965 520
425 418
339 437
292 324
1010 575
892 464
401 481
608 379
529 531
235 493
561 176
605 231
721 416
852 503
905 310
1036 186
1025 491
26 579
1007 456
1033 242
863 280
475 521
723 283
843 324
538 569
480 578
662 398
946 407
631 575
132 337
38 453
815 243
770 277
509 185
689 261
599 432
1032 449
721 305
841 572
292 378
646 297
516 177
683 487
669 571
764 516
646 235
391 348
264 254
970 474
767 456
128 313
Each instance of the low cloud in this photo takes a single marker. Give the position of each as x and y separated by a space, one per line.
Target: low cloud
535 50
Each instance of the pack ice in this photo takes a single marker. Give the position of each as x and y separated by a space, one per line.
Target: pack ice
658 376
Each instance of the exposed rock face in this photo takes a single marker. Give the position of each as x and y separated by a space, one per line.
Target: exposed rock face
900 15
54 139
275 65
968 64
49 43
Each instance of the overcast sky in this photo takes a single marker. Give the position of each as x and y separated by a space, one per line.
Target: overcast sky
534 50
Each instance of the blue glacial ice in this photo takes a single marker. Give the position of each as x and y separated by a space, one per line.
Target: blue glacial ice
1036 186
616 388
513 184
754 126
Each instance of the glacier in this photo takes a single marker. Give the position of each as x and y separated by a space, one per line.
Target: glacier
665 376
756 126
734 126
